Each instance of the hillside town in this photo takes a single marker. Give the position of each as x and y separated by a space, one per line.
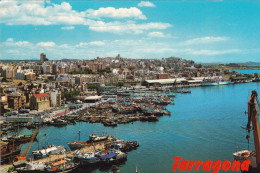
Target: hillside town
111 90
44 84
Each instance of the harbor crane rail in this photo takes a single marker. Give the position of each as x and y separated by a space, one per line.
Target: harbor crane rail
253 119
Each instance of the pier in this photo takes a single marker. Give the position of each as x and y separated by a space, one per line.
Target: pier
69 154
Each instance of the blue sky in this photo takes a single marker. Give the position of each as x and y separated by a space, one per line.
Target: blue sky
204 31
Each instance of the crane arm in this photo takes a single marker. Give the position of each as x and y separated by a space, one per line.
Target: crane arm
30 144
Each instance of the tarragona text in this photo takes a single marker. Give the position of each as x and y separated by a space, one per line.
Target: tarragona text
209 166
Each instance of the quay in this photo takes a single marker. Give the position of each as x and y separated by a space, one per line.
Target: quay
96 146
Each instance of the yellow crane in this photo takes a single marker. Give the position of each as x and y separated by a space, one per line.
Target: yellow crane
23 156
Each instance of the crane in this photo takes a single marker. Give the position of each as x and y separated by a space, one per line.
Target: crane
252 119
23 156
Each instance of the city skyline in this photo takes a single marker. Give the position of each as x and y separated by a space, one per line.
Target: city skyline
203 31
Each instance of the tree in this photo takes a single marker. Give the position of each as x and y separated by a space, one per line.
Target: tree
85 71
70 95
92 86
4 80
119 84
106 70
198 65
131 68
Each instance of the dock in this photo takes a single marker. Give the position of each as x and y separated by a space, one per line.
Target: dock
92 148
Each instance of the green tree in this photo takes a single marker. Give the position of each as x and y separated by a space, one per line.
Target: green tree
70 95
92 86
131 68
119 84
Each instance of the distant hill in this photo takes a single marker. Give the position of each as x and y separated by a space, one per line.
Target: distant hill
16 61
250 63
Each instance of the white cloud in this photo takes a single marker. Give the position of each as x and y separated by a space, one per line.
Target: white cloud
68 27
130 27
97 43
145 4
156 34
46 44
35 13
140 48
40 13
11 42
213 52
93 43
111 12
204 40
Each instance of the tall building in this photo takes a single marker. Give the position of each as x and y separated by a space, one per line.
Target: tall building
15 101
55 98
43 57
10 73
54 69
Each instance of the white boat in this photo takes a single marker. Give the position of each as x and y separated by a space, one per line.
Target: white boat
214 83
31 167
86 158
96 138
50 150
246 155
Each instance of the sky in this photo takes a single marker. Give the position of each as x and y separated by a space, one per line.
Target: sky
203 31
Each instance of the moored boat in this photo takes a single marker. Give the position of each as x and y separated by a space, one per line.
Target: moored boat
93 138
59 166
246 155
86 158
18 139
50 150
8 152
214 82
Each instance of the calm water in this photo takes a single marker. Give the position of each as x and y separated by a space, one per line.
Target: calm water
247 71
205 124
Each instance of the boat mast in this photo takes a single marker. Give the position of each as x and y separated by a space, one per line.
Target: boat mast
252 117
79 135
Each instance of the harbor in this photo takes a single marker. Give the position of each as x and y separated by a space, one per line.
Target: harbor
129 86
204 133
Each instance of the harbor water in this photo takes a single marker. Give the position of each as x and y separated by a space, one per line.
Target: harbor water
246 71
204 125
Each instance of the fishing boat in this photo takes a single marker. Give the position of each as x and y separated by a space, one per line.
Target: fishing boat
78 145
107 157
120 156
93 138
63 165
130 145
59 166
110 123
8 153
246 155
30 167
86 158
50 150
18 139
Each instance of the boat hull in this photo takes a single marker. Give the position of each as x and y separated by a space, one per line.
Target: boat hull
245 155
84 161
76 146
71 169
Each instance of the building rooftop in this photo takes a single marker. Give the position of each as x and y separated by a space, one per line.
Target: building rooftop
42 95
